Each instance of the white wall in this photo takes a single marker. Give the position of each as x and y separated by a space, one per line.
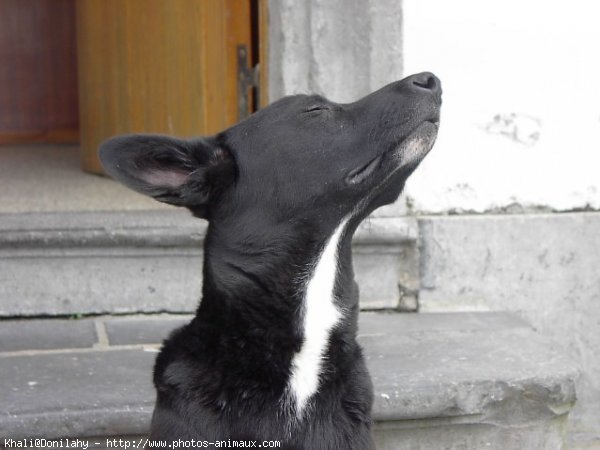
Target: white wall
521 113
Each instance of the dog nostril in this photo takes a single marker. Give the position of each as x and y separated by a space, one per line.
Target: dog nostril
426 82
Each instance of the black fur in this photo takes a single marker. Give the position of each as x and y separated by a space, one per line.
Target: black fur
274 188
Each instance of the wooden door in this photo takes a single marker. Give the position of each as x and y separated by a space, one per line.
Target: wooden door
38 71
158 66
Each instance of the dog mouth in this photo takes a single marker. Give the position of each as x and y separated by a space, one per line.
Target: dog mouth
361 173
408 153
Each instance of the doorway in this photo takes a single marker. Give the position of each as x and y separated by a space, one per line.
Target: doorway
85 70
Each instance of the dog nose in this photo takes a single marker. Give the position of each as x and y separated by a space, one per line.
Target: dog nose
426 82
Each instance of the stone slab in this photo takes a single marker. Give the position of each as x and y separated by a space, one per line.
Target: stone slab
427 435
468 369
148 262
39 178
391 323
544 267
19 335
142 331
501 376
100 281
171 228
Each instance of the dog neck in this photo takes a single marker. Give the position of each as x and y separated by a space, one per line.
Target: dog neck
320 314
292 285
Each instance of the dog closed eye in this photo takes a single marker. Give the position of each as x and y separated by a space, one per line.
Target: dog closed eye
317 108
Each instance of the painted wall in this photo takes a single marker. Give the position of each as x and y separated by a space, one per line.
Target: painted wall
521 115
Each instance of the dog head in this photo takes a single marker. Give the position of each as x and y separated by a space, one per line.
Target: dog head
302 157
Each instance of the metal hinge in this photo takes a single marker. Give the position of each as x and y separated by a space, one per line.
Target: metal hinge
248 81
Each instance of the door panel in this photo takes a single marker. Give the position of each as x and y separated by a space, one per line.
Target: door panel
38 72
157 66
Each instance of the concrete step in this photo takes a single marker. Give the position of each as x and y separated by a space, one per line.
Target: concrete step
442 381
136 261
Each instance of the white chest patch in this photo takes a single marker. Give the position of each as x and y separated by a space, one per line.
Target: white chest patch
320 317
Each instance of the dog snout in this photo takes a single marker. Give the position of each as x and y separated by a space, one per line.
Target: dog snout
425 81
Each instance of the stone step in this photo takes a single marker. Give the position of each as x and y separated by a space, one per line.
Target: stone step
147 262
442 381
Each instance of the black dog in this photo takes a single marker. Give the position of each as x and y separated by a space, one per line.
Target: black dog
272 351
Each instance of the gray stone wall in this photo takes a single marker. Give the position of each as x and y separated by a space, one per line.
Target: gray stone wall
341 49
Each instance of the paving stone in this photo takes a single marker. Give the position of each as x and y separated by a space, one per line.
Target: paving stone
74 394
142 331
44 334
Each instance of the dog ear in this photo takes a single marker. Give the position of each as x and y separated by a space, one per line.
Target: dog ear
179 172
